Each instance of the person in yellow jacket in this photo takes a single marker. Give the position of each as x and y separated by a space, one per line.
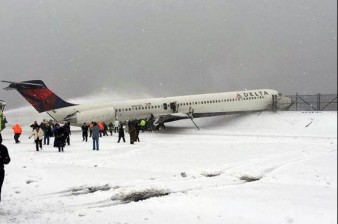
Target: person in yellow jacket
17 132
38 136
143 125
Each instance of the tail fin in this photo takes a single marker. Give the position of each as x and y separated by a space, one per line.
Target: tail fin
38 95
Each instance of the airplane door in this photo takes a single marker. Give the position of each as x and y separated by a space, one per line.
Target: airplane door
118 114
174 107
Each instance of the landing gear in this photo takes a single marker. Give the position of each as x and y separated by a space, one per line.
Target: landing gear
192 120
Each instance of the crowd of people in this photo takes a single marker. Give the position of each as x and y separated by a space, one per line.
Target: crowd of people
43 132
99 129
48 129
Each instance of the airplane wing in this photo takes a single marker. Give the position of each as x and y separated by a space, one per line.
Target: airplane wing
169 117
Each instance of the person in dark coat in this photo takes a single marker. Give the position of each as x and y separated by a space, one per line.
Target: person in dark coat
132 132
84 129
138 129
47 133
4 160
105 129
121 134
111 128
54 130
66 127
51 125
60 138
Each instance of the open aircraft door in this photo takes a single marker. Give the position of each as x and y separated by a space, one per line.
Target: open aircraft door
174 107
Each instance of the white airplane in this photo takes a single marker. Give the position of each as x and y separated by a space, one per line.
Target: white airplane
160 110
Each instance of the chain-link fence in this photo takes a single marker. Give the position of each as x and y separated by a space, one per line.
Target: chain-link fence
319 102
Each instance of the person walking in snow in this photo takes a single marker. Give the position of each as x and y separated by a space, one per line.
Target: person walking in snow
84 129
101 127
66 127
4 160
60 137
91 125
17 132
121 134
132 132
38 136
95 136
33 126
105 129
46 131
111 128
116 126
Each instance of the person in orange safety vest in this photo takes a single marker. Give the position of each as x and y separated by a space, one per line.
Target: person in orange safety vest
101 127
17 132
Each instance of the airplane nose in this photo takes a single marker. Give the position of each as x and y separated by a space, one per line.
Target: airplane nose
284 102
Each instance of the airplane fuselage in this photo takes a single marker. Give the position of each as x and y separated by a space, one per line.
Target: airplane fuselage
173 108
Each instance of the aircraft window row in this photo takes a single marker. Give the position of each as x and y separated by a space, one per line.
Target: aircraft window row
191 103
253 98
137 108
220 101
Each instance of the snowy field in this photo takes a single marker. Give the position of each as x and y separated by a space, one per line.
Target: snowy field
260 168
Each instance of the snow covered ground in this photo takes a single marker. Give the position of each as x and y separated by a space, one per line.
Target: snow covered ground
259 168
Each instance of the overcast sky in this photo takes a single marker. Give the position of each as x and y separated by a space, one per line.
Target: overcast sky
168 47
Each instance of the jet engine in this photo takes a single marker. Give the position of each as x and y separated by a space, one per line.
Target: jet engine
87 116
